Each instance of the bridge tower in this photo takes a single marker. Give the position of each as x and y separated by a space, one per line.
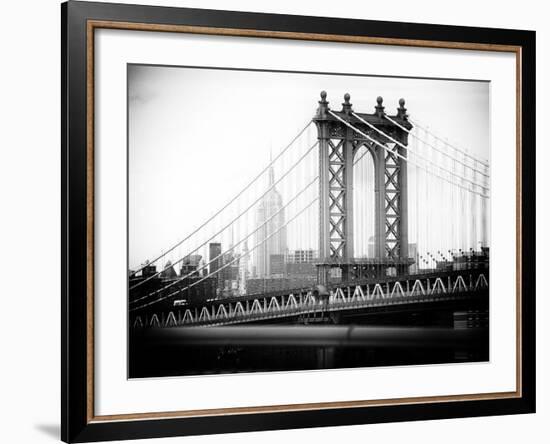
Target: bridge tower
338 146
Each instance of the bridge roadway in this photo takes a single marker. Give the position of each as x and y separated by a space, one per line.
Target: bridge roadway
372 294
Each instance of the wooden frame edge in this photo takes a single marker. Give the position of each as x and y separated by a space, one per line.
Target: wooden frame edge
237 32
519 225
94 24
287 408
90 208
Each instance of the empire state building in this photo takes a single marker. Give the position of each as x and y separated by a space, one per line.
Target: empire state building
270 220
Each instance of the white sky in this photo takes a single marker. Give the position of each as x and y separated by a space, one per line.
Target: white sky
197 136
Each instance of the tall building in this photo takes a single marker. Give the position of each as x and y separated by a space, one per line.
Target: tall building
270 220
190 264
215 250
300 256
243 268
229 274
169 272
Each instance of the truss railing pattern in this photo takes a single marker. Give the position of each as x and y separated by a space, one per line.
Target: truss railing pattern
399 292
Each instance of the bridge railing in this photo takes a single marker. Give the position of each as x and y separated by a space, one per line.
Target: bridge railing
341 298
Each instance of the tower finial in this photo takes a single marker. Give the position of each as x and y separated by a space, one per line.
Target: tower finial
346 106
402 111
323 105
379 107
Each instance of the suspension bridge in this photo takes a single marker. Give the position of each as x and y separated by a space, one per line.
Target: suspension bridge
360 214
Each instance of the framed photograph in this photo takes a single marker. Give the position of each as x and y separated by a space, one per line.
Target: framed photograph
276 221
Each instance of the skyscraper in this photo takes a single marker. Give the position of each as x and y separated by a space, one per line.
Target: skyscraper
270 220
215 250
243 269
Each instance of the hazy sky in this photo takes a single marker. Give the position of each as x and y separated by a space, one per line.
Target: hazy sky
197 136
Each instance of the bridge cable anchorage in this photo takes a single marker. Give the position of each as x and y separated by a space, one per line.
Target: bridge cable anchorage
416 123
403 157
278 156
229 263
445 153
418 155
294 198
235 218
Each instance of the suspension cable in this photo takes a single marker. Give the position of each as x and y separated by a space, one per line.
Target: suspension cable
236 218
227 204
482 161
231 248
445 153
419 156
401 156
228 264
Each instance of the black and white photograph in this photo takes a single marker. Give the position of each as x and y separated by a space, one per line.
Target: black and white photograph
232 221
274 222
283 221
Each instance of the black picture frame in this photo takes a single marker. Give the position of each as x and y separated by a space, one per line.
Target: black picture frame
77 424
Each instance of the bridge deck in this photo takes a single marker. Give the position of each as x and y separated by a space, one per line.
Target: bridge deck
402 291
